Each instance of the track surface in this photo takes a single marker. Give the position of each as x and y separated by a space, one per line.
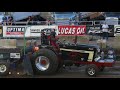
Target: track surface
75 72
111 72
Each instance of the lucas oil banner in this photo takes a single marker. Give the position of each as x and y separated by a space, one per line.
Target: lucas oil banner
35 31
71 30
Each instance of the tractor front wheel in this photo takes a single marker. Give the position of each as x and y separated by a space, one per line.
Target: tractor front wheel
91 70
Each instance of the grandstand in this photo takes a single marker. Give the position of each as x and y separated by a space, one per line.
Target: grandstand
55 16
23 16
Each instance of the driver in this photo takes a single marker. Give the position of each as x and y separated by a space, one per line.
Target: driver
44 40
53 40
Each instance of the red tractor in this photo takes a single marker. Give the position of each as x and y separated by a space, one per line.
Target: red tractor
50 56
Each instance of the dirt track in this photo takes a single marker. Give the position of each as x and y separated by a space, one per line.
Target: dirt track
109 72
112 72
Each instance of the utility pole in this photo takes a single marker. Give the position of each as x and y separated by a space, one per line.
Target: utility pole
77 17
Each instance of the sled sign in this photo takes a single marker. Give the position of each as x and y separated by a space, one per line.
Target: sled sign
71 30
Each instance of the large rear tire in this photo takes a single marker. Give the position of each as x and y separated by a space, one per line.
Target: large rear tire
44 62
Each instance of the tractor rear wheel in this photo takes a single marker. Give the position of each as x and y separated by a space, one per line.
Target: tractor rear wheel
44 62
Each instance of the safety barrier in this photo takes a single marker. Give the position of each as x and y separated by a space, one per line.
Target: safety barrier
90 25
95 22
54 22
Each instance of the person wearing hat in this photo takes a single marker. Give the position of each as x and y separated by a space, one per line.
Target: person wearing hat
53 40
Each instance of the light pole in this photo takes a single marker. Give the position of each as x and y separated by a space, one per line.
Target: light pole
25 38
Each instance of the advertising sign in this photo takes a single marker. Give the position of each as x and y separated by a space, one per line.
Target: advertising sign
71 30
15 31
94 29
97 29
35 31
116 30
30 31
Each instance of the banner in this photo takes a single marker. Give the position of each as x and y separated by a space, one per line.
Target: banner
15 31
94 29
116 30
35 31
97 29
30 31
71 30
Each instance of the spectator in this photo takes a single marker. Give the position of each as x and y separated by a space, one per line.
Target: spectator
105 28
10 20
70 21
47 22
29 21
44 40
35 19
42 36
4 20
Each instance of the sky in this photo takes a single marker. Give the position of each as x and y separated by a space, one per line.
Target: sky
64 15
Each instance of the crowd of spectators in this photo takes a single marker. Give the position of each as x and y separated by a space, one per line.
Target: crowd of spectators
36 20
7 20
33 20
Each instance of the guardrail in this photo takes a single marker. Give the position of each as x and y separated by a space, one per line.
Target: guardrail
89 23
51 22
33 31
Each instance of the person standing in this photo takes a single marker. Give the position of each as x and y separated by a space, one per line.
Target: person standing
105 28
10 20
4 20
29 21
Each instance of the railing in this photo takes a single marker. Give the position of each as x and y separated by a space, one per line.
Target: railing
99 22
53 23
89 23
